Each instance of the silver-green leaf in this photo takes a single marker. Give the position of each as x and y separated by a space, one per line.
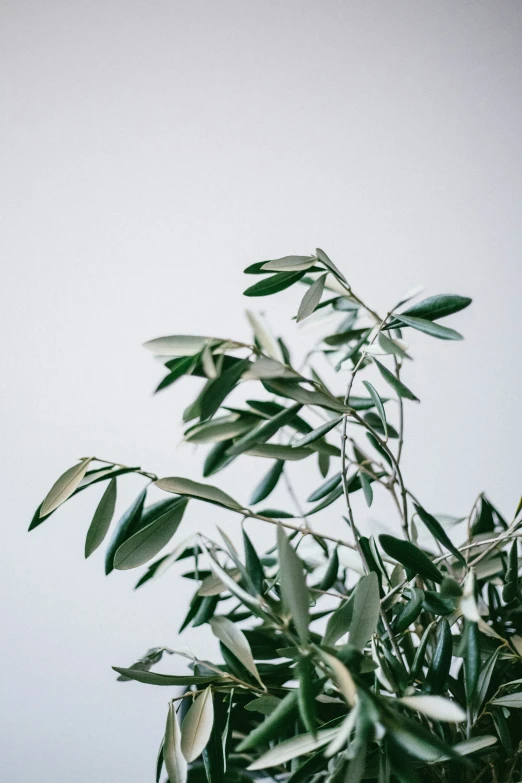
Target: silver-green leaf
64 487
102 519
150 540
294 592
234 638
197 726
175 762
311 299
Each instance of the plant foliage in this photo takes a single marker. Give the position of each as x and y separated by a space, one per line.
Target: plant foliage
342 658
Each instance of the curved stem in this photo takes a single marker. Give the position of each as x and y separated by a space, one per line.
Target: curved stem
393 459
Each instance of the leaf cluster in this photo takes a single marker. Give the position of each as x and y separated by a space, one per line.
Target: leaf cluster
342 658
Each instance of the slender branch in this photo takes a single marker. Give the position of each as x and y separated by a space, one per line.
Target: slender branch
151 476
216 669
385 446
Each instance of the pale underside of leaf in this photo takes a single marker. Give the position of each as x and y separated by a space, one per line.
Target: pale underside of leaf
311 299
194 489
234 638
197 726
436 707
64 487
292 748
175 762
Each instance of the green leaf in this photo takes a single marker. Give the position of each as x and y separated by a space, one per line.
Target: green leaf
469 746
484 679
306 694
194 489
411 557
439 306
275 513
268 483
428 327
319 432
334 495
366 487
251 601
331 572
294 592
509 591
265 431
264 338
366 610
256 269
325 488
129 524
234 638
184 365
471 654
289 264
339 622
102 519
437 604
295 392
212 585
311 299
323 463
418 742
283 714
197 726
207 362
409 612
265 368
218 389
275 451
64 487
306 771
510 700
159 760
175 762
435 707
217 458
378 405
179 344
340 338
254 566
438 533
90 478
329 264
218 430
264 704
273 284
205 611
292 748
147 542
438 672
392 346
168 680
342 677
418 661
394 382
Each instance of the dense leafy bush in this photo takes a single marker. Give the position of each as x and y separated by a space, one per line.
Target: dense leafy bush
343 658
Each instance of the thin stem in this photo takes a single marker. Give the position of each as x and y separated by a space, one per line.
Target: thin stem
401 413
384 445
151 476
295 500
215 669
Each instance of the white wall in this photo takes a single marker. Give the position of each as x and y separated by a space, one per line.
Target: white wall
150 151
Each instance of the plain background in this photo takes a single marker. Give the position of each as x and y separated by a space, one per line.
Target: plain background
150 151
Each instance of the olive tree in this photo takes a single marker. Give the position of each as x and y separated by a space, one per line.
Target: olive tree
343 657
